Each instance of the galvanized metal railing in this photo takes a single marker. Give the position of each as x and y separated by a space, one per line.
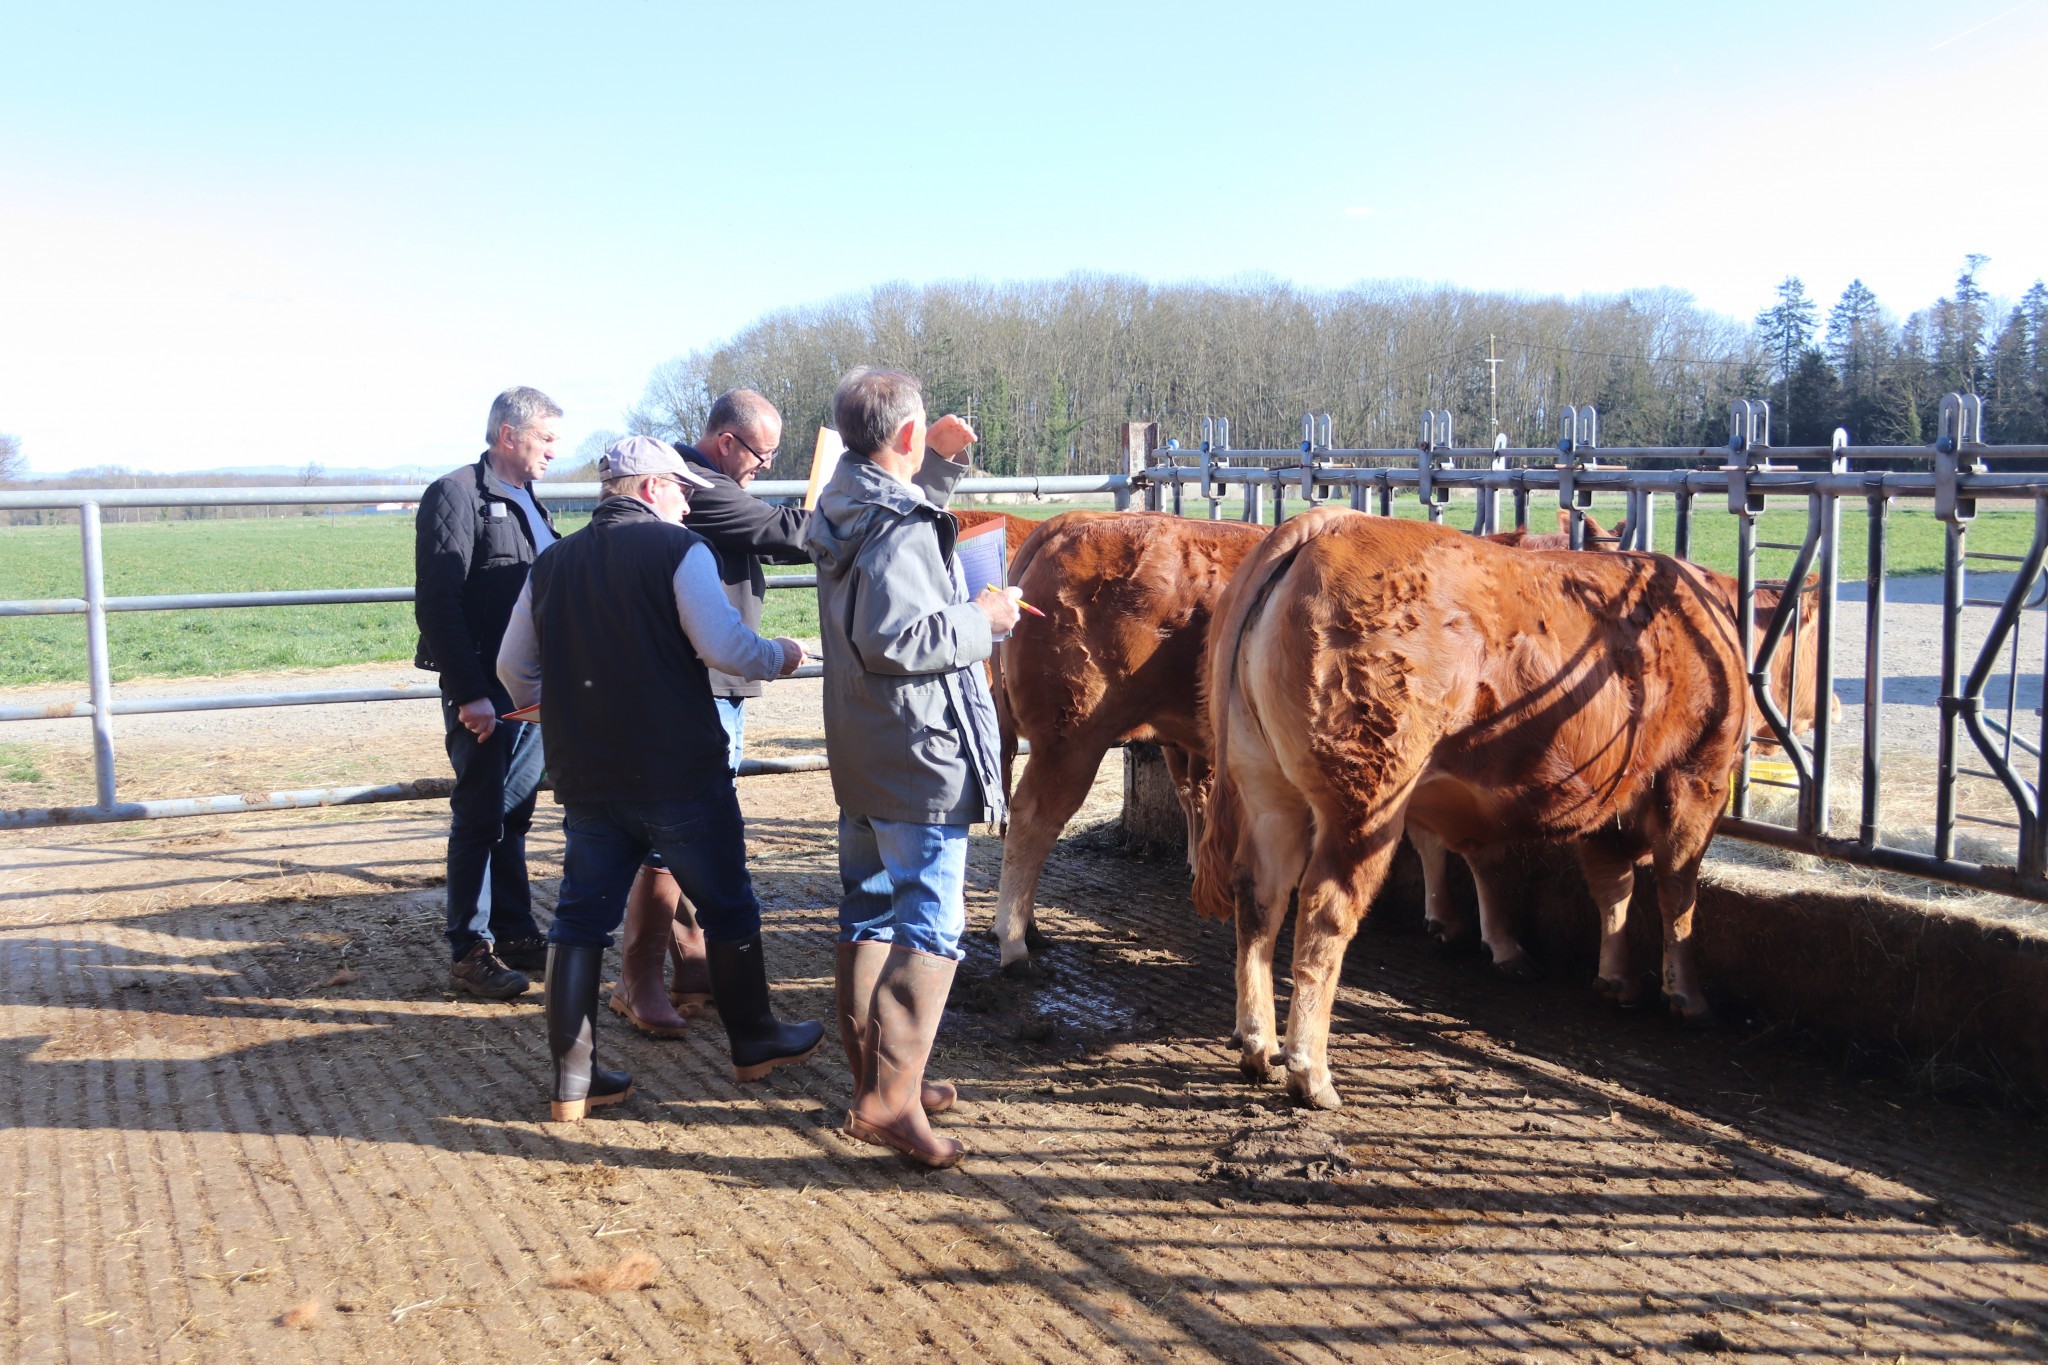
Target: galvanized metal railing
1956 473
100 706
1953 474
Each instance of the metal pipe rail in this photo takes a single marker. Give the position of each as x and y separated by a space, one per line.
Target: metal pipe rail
101 707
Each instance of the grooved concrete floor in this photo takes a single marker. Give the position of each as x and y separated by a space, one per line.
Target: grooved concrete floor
198 1131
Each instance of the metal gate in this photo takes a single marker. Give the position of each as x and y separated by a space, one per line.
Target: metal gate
1951 476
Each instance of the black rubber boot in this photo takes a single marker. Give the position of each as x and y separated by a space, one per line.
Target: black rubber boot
570 998
760 1041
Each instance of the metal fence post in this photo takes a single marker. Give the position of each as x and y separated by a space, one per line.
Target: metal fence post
1878 510
97 669
1135 443
1749 424
1824 652
1957 513
1436 435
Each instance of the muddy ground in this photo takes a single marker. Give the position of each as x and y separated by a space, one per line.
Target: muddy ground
236 1084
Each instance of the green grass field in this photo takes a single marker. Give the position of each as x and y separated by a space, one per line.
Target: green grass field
376 551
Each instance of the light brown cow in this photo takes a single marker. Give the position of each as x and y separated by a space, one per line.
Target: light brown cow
1792 676
1118 655
1367 673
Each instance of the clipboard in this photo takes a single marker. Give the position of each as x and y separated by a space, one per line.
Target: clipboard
984 554
824 460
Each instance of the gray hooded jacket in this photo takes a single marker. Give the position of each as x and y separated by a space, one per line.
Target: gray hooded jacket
909 722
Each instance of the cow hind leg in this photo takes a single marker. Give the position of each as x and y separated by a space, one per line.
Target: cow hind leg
1694 815
1188 772
1055 783
1611 877
1440 912
1491 879
1272 850
1677 897
1342 877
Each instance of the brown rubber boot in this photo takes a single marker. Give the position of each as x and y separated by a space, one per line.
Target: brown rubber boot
857 967
641 996
910 999
691 990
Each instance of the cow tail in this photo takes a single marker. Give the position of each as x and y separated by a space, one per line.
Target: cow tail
1216 862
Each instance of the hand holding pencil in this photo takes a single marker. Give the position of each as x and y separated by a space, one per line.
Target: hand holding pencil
1000 607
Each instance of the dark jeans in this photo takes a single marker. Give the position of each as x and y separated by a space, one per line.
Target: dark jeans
700 838
491 809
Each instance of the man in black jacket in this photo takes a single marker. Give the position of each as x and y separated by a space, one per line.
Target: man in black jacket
741 436
478 533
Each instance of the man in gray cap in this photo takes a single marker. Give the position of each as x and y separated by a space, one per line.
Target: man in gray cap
613 637
742 433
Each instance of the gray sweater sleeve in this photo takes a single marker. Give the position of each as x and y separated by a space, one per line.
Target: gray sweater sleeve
519 653
713 625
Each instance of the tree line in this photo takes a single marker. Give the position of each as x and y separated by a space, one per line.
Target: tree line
1047 370
1882 380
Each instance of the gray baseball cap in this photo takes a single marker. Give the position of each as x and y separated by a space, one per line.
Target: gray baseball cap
637 456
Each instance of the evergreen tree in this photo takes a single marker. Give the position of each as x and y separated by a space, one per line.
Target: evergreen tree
2016 396
1859 345
1786 327
1816 395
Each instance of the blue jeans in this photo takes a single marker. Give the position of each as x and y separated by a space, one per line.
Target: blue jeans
732 715
904 884
702 841
490 810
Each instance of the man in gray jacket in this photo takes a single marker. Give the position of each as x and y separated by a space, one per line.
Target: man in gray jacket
911 730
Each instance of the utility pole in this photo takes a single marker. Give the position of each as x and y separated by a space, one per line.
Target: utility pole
1492 387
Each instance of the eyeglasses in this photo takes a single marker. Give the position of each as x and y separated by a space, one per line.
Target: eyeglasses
765 460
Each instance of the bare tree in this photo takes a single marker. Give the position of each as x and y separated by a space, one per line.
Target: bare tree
13 464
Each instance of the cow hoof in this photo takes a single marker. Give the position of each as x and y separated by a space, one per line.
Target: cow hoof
1693 1016
1317 1095
1256 1066
1034 941
1517 968
1624 995
1236 1043
1455 943
1023 969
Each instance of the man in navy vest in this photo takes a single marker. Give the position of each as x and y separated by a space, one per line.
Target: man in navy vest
612 637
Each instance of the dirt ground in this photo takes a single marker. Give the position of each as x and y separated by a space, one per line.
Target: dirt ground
237 1084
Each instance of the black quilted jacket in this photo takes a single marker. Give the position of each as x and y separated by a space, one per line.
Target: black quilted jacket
471 553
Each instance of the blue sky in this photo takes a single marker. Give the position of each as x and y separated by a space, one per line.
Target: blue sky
273 234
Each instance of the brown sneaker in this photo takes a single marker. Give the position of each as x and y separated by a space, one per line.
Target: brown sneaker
481 973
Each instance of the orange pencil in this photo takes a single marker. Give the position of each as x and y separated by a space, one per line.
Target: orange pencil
1026 606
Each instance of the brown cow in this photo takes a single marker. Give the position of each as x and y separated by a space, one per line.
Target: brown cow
1127 598
1367 673
1016 529
1791 667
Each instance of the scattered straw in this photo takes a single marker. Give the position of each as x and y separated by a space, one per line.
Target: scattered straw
637 1270
346 976
302 1316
